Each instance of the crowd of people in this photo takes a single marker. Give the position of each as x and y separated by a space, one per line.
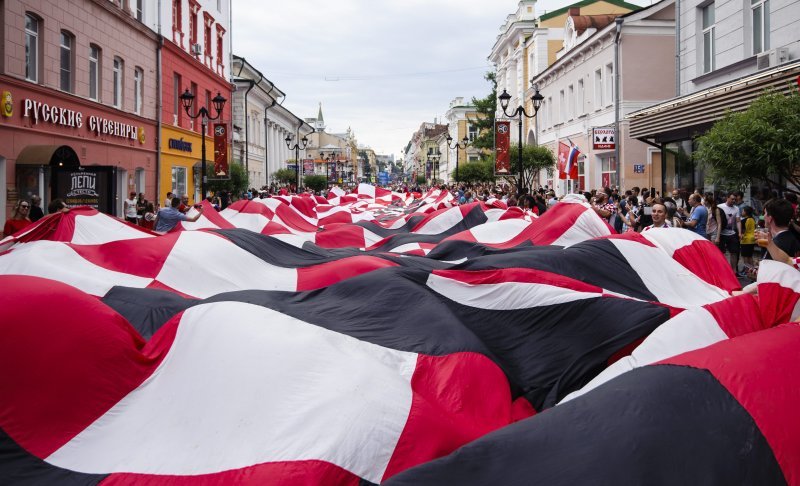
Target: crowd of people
741 231
769 225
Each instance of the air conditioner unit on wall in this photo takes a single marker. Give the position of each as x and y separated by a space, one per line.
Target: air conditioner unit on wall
772 58
197 49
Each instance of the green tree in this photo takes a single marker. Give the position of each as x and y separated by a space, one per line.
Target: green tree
486 108
534 159
759 144
315 182
421 179
476 171
285 176
237 183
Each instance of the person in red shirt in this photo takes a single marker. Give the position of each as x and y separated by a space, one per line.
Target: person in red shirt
19 220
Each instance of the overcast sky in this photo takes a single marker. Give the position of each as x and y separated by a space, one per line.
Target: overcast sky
381 67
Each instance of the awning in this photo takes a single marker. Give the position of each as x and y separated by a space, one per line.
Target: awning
55 155
709 105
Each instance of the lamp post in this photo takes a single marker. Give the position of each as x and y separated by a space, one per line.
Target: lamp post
296 147
537 99
187 99
433 158
331 157
458 146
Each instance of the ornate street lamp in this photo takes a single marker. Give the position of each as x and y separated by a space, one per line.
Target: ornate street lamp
296 147
187 99
433 158
537 99
458 146
329 159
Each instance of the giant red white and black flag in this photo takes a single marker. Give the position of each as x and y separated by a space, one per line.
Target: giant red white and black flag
378 336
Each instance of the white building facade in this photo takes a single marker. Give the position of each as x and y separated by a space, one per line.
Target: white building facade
585 100
730 51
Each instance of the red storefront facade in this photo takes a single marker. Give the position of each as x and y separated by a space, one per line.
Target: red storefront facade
48 135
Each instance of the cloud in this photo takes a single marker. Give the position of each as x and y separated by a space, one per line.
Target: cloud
380 67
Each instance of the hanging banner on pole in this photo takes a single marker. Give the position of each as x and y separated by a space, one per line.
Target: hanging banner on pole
502 143
221 151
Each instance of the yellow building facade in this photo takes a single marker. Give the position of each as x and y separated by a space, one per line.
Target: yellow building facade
181 159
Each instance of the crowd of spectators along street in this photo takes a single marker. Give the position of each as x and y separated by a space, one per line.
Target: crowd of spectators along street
766 228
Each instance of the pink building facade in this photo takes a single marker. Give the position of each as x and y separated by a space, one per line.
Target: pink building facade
79 93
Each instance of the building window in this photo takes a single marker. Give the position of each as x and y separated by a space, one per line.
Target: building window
194 11
177 108
94 72
140 10
709 47
598 89
472 131
208 21
31 48
579 99
177 15
562 107
119 67
550 111
581 173
609 97
138 90
760 12
179 180
66 60
220 35
571 102
608 171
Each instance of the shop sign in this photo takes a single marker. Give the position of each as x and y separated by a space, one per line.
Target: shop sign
84 187
44 112
603 138
221 150
180 145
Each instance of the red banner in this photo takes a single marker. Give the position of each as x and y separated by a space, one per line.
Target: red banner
563 153
502 141
221 150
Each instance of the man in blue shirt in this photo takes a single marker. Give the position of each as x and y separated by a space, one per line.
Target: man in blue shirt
699 217
168 217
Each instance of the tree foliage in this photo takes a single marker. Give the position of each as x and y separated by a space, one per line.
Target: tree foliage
315 182
237 183
534 159
476 171
486 108
285 176
421 179
759 144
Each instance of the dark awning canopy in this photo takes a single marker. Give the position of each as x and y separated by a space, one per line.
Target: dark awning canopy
705 107
53 155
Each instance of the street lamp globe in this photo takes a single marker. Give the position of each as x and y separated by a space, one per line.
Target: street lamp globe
218 101
504 98
187 99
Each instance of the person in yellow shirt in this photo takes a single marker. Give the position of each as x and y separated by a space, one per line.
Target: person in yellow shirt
748 238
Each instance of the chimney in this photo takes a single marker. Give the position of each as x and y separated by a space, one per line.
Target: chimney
574 11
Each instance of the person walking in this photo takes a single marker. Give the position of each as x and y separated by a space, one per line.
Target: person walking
36 213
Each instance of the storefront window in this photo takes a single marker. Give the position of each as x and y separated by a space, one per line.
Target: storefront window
608 171
179 180
680 171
